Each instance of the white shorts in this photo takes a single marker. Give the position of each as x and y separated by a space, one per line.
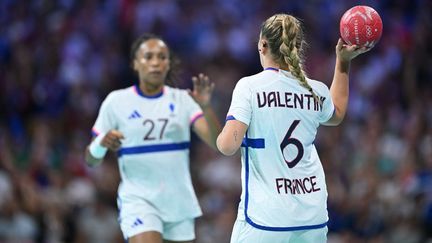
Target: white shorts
138 218
246 233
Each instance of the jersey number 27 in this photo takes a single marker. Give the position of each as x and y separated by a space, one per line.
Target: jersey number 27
150 135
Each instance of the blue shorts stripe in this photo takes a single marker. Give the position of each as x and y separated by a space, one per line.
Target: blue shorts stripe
153 148
292 228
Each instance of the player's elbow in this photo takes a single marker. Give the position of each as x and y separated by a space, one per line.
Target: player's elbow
337 118
224 147
334 121
226 150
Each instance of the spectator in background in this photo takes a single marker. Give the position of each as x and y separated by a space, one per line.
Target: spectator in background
16 225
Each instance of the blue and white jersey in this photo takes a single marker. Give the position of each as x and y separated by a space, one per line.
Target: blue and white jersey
154 156
282 177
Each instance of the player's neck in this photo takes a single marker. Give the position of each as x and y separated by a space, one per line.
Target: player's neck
269 63
150 89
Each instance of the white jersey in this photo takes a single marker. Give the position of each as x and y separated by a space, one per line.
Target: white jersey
154 156
282 177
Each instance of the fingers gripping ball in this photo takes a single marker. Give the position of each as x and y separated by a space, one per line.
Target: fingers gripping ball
361 25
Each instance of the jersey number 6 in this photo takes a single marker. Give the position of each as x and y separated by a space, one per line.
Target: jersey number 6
289 140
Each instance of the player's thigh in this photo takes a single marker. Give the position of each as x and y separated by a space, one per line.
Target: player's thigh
168 241
183 231
136 217
245 233
146 237
313 235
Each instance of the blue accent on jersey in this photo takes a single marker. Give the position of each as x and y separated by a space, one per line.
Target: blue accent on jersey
305 227
228 118
272 68
119 207
249 220
153 148
147 96
137 222
253 142
134 114
247 181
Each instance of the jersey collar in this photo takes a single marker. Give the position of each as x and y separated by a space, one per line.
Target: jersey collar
140 93
272 69
287 73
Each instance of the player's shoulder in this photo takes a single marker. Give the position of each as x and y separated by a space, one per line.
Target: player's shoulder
255 78
176 93
252 80
121 93
174 90
319 85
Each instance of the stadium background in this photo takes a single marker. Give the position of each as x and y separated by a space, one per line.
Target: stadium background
59 59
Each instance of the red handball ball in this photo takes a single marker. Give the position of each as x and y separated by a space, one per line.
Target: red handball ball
361 25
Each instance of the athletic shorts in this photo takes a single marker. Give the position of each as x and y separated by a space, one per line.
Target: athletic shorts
246 233
136 218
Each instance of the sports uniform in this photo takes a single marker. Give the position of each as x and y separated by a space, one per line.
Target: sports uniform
153 160
283 181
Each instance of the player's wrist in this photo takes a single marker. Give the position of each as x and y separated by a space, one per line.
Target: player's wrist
343 65
96 149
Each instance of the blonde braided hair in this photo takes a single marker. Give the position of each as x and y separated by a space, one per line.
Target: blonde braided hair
285 38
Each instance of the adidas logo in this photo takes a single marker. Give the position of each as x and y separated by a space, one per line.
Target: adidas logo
137 222
134 114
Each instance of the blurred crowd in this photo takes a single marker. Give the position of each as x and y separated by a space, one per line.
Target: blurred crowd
59 59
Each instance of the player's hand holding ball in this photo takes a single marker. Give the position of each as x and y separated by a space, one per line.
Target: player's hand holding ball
361 26
360 29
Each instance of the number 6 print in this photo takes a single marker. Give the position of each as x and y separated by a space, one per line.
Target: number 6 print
289 140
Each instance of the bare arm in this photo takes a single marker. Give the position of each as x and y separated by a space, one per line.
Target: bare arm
231 137
339 89
209 127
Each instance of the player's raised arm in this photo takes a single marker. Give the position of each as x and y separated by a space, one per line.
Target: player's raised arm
209 127
360 29
339 89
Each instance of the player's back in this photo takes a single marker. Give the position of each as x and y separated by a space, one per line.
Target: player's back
283 177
